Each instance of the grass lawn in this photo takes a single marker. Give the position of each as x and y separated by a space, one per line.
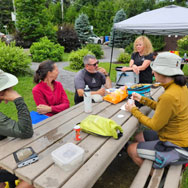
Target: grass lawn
24 88
106 66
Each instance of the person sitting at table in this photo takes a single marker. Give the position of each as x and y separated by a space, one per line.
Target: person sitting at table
93 76
48 94
8 127
170 119
141 59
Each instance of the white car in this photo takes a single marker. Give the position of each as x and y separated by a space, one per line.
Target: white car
95 39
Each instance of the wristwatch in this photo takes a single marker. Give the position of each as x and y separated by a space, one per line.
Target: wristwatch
106 75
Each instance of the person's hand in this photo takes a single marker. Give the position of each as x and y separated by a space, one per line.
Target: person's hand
102 70
43 109
9 95
135 69
101 91
136 96
129 106
125 69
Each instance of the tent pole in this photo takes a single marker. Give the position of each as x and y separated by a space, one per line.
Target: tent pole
111 52
143 32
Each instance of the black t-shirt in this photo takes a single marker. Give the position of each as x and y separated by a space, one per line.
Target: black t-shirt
145 76
93 80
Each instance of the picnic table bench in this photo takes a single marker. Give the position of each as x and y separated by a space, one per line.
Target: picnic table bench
165 177
58 130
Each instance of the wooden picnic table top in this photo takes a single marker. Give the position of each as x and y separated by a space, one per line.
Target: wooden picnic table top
58 130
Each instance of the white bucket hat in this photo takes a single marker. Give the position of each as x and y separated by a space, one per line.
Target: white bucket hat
7 80
167 64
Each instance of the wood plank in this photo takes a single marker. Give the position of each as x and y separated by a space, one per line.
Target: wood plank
97 164
142 175
173 176
49 138
156 178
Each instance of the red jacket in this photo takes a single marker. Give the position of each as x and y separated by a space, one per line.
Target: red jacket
57 98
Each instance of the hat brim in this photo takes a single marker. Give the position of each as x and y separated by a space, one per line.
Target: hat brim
166 71
12 81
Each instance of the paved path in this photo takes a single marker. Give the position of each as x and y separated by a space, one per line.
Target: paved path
67 77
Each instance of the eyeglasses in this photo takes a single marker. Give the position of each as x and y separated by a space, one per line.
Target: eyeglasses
95 64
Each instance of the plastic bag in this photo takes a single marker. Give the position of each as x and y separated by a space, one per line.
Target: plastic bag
98 125
117 96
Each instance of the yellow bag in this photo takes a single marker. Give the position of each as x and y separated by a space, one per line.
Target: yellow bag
117 96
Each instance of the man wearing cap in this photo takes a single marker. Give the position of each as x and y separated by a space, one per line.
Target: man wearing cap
93 76
170 120
8 127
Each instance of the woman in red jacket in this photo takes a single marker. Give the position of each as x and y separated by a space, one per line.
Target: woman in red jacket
49 95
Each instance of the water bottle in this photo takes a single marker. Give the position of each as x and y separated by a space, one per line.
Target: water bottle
87 100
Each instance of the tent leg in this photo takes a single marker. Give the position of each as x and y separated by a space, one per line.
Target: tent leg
111 52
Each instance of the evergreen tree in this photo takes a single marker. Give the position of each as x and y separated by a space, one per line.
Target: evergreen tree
33 21
6 8
83 28
121 39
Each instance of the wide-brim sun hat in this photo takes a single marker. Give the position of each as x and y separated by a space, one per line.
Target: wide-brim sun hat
167 64
7 80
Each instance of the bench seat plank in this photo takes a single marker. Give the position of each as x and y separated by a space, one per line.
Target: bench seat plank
156 178
173 176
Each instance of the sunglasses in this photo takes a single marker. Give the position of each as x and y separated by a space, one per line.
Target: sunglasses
95 64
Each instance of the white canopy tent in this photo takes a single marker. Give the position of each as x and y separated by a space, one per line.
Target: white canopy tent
169 20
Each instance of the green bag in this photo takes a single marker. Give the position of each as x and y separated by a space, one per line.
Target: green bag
95 124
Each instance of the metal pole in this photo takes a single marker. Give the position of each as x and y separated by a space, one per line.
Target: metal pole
62 9
111 51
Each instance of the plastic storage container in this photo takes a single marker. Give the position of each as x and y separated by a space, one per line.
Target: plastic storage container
68 156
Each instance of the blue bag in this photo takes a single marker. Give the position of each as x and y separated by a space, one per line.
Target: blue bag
36 117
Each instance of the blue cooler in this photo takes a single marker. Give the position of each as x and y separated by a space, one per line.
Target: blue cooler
142 90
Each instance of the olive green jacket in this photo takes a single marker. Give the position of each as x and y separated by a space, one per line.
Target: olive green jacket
20 129
170 119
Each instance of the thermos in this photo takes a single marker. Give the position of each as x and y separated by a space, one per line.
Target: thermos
87 100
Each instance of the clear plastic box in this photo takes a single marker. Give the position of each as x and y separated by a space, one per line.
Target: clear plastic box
68 156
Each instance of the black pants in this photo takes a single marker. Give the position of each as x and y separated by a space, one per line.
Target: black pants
7 176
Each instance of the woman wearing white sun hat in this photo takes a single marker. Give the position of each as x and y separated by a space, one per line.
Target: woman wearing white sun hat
170 120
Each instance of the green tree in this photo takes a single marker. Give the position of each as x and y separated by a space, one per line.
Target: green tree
33 20
120 39
6 8
83 28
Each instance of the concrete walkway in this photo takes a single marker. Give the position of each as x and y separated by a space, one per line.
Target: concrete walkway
67 77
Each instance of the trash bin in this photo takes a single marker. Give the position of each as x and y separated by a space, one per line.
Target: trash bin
106 38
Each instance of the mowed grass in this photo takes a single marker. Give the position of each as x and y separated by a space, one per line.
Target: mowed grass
24 88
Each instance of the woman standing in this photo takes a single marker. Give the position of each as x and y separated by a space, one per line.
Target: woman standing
141 59
49 95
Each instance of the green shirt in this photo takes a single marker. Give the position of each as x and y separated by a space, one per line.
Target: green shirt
21 129
170 119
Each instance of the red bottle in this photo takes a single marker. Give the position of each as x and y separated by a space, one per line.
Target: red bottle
77 135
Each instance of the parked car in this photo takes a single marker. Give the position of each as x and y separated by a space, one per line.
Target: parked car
95 39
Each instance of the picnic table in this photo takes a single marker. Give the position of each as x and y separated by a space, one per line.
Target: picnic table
58 130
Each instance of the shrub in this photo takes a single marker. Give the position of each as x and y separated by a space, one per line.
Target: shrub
76 58
157 42
13 59
68 38
183 45
45 49
129 48
96 49
124 57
